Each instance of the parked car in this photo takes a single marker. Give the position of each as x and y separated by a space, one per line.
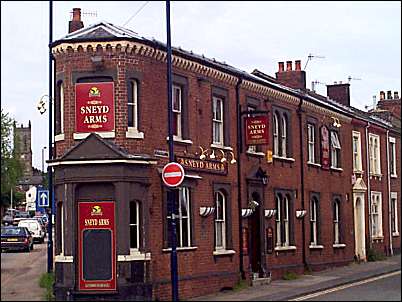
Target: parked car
8 220
43 219
35 227
40 220
19 216
16 238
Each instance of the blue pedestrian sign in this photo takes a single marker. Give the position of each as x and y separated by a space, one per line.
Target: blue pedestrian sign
43 198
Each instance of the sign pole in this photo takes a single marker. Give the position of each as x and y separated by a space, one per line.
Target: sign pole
170 195
49 169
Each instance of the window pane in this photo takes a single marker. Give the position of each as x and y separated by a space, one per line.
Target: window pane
133 212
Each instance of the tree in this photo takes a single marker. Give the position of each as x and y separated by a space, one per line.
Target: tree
11 166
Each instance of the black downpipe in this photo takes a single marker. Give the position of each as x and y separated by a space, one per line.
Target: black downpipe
299 113
239 151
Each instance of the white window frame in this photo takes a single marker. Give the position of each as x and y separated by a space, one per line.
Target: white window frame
357 151
135 227
313 220
279 221
335 149
60 136
132 130
276 134
184 197
284 136
376 216
220 221
336 205
177 112
394 207
311 142
392 156
375 154
217 104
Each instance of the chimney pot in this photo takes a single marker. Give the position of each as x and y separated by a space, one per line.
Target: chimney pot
396 96
389 95
77 14
298 65
382 95
288 65
281 66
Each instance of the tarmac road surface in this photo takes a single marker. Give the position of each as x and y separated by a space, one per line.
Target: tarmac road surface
20 273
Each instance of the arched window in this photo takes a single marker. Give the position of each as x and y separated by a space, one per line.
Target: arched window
276 134
336 221
283 210
313 221
220 221
284 136
133 104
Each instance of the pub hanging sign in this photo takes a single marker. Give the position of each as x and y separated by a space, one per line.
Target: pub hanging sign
94 107
256 130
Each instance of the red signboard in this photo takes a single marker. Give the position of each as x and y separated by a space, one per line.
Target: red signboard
94 107
257 130
324 148
96 246
173 174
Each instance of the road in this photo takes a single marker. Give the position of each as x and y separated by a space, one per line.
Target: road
382 288
20 273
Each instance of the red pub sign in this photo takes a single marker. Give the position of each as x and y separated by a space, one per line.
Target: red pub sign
96 246
257 130
94 107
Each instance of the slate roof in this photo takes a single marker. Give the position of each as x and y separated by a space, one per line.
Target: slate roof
104 31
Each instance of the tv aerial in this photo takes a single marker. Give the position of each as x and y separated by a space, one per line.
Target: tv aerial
350 78
310 57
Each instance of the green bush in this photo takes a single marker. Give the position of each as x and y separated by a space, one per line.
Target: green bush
373 255
289 276
46 281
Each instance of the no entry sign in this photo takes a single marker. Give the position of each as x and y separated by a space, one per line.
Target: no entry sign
172 174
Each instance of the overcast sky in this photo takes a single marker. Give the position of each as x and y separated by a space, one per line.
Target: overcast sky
357 39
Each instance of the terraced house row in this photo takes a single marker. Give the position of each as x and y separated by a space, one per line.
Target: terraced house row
323 191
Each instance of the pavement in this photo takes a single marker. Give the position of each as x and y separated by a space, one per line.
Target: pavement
285 290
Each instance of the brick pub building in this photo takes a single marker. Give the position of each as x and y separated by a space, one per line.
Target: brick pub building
254 211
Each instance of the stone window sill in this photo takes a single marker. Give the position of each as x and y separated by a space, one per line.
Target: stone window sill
179 140
221 147
337 169
358 171
379 238
394 176
253 153
134 255
313 164
339 245
62 258
224 252
318 247
59 137
181 249
289 159
108 134
134 133
379 176
395 234
285 248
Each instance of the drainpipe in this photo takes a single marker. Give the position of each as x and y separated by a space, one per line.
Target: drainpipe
239 151
389 199
299 113
368 185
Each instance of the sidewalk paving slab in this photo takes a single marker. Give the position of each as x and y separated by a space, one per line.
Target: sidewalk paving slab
285 290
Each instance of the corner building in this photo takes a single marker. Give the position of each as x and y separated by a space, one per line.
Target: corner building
243 211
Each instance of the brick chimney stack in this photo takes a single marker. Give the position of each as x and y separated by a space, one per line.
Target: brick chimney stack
396 96
339 92
76 23
382 95
389 95
293 78
391 104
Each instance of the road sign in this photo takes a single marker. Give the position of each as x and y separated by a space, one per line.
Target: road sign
172 174
43 198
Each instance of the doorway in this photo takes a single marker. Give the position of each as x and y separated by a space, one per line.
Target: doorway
255 236
360 246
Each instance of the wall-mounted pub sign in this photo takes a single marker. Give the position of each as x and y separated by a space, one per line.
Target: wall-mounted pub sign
256 130
94 107
195 164
96 246
324 148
